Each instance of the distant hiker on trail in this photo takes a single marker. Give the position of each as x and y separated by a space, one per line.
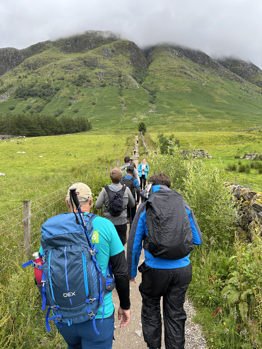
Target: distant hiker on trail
127 161
166 272
64 245
132 183
116 199
143 170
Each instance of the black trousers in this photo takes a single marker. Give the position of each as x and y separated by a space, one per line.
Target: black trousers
171 284
143 182
121 230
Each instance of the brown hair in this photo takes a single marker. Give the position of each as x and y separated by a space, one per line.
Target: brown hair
160 178
116 175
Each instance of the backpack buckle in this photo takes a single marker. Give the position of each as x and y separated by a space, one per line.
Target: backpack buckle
92 252
91 315
36 265
91 300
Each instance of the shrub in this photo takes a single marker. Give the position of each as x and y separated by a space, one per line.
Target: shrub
58 112
247 170
76 110
142 127
11 108
231 167
241 168
239 162
237 156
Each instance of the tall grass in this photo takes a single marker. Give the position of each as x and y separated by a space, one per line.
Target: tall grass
227 280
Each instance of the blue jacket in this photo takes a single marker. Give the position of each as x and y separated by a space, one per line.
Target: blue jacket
140 170
139 231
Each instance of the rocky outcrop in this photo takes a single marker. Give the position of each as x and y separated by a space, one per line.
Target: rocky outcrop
245 70
252 156
196 154
11 57
249 212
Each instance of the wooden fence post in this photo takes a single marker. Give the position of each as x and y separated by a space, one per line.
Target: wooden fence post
27 227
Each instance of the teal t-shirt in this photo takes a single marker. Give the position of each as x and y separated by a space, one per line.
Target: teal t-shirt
107 241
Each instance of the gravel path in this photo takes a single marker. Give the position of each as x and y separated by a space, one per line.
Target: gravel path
131 336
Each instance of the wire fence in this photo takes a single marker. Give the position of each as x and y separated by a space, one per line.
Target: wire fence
20 229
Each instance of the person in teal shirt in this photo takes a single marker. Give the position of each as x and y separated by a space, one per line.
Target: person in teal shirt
107 241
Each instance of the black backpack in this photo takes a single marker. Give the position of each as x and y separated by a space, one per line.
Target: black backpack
115 200
129 183
169 231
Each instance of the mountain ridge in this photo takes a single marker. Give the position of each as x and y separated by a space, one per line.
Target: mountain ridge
116 84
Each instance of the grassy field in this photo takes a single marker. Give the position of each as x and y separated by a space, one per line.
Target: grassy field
52 162
223 147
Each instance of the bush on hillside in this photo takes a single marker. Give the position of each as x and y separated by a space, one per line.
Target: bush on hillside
142 127
241 168
231 167
247 170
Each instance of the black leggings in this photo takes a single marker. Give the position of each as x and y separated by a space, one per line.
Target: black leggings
121 230
143 182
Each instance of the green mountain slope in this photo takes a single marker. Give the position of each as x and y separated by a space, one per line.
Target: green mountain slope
246 70
115 84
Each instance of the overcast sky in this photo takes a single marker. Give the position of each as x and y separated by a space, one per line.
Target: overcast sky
217 27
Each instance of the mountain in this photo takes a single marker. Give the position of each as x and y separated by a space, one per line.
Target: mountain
246 70
116 84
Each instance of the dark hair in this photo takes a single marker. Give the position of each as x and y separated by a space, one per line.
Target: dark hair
130 169
160 178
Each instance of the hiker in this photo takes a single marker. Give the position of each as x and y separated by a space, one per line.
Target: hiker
86 334
128 161
105 197
143 170
132 164
132 183
166 271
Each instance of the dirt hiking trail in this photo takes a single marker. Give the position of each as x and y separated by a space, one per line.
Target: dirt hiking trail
131 336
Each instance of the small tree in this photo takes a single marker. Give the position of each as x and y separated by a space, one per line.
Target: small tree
142 128
166 145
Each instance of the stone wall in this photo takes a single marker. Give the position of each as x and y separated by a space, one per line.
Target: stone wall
250 209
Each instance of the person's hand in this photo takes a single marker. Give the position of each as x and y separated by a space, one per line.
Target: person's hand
133 280
124 316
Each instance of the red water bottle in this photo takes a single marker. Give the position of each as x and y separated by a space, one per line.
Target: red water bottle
38 272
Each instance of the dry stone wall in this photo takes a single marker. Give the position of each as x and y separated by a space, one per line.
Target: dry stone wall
249 212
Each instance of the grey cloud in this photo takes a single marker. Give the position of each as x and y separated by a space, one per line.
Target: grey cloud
218 27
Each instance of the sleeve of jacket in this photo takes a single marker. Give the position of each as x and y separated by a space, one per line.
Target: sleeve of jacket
131 200
197 235
134 244
100 200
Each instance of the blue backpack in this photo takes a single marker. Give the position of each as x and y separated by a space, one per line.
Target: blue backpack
72 280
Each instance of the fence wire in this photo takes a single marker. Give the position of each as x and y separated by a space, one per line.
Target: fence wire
12 246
